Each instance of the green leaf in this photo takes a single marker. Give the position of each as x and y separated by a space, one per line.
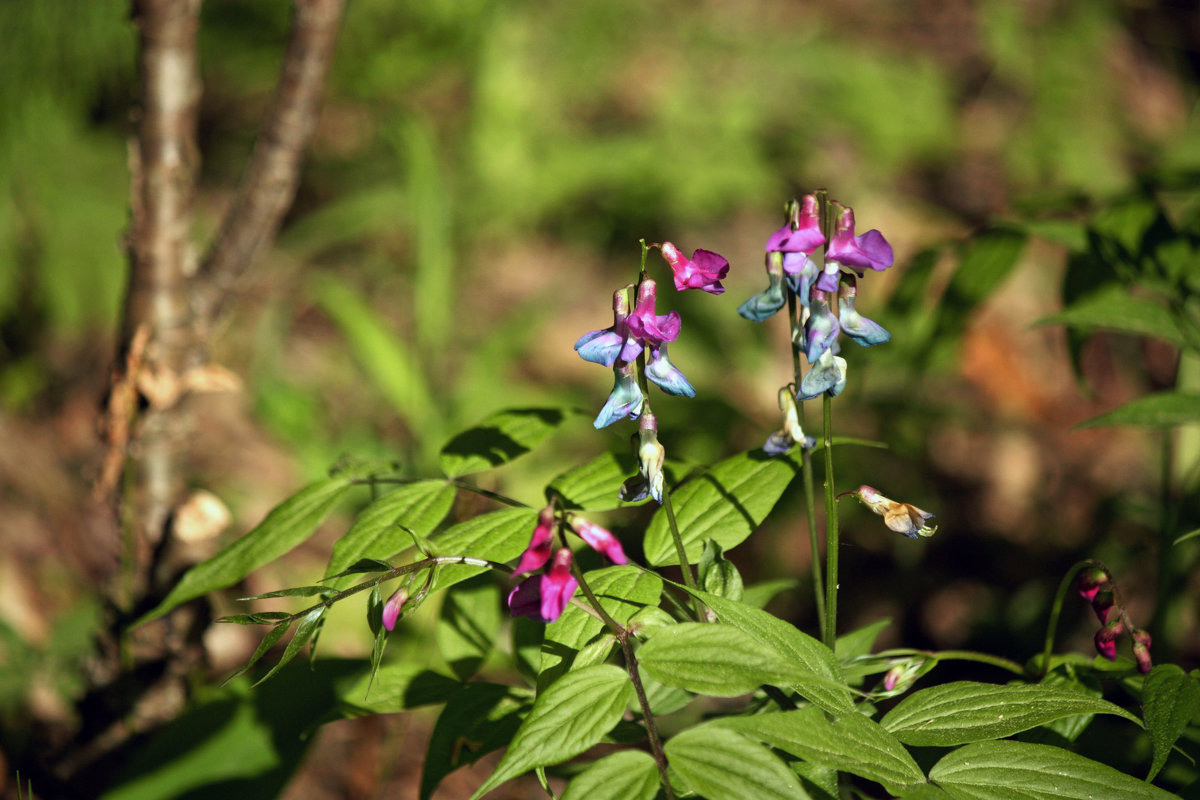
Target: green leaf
496 536
724 765
1186 536
622 592
363 566
384 356
851 743
1113 308
398 686
296 591
625 775
269 640
717 660
478 719
568 718
306 631
375 535
500 438
467 625
859 642
759 594
828 688
260 618
965 711
593 486
1008 770
985 261
717 574
725 504
1170 698
1161 410
289 524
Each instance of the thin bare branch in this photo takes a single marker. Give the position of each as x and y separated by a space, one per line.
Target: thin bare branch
269 183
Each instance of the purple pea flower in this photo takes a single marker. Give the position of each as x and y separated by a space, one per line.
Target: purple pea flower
802 234
801 271
869 251
661 372
543 597
599 539
625 400
822 327
538 552
860 329
704 270
770 300
648 326
611 344
827 375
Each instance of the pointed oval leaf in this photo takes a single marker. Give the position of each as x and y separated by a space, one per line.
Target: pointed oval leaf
593 486
496 536
477 719
568 718
626 775
375 536
306 631
289 524
1115 309
1161 410
1170 698
851 743
725 503
827 688
500 438
965 711
622 591
724 765
467 624
1008 770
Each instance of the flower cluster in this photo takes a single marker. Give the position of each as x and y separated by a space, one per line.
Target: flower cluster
1095 585
826 291
543 596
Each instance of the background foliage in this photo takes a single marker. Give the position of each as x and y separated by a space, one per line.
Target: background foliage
481 175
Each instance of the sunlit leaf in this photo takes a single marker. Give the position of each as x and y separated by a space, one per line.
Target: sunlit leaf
500 438
724 765
625 775
593 485
1170 699
497 536
1115 309
477 719
1161 410
467 624
375 534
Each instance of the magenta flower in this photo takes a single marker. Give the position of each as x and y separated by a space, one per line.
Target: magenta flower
543 597
1091 580
801 271
801 235
599 539
611 344
648 326
538 552
869 251
704 270
1106 639
393 607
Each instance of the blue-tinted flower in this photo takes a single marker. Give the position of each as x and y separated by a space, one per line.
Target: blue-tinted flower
821 328
661 372
543 597
612 344
767 302
801 271
625 400
869 251
862 330
651 456
650 328
827 375
790 434
704 270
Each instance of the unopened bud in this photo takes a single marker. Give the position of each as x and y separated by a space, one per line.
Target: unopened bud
1102 603
1141 650
1091 580
892 677
393 607
1106 639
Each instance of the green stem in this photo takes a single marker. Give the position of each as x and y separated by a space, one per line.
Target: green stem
829 633
1056 611
656 745
689 579
961 655
617 628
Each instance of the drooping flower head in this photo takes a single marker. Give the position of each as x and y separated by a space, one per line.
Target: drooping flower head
704 270
769 300
1091 580
869 251
1141 650
612 344
663 374
651 456
827 375
790 434
543 597
625 400
1106 639
861 330
599 539
903 518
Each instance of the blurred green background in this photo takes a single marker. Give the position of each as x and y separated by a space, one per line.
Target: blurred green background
481 175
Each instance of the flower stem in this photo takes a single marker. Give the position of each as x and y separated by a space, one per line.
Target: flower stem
617 628
829 631
1056 610
962 655
689 579
656 745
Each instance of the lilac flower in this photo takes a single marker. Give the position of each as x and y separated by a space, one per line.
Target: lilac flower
393 607
790 434
646 325
869 251
860 329
538 552
599 539
770 300
651 455
803 233
822 327
543 597
704 270
625 400
827 375
801 271
903 518
661 372
611 344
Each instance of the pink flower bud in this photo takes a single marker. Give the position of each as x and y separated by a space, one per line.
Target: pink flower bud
1106 640
892 677
1102 603
600 539
1090 582
1141 650
393 607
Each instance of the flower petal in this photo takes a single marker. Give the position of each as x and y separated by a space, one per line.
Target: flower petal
662 373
